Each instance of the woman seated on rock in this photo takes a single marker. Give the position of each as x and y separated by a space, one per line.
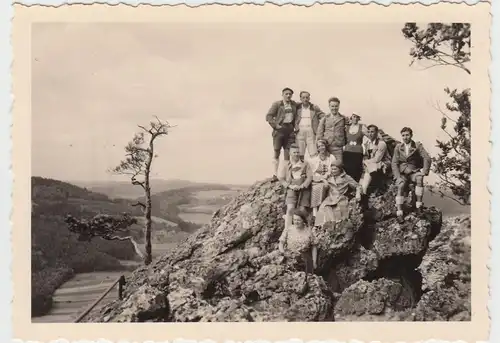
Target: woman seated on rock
335 206
297 181
321 169
298 244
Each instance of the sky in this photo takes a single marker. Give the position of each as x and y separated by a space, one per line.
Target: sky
92 84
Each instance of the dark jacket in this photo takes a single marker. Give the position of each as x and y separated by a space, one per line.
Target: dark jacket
417 158
316 115
276 113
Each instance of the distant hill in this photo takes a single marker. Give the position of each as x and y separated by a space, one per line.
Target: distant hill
182 205
56 252
124 189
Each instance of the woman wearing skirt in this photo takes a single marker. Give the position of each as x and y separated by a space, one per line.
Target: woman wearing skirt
353 150
335 206
321 169
297 242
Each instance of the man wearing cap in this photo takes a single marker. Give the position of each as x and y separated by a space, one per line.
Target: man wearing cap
306 125
410 163
281 117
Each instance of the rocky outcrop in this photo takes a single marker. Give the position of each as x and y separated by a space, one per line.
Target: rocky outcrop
446 274
231 269
445 271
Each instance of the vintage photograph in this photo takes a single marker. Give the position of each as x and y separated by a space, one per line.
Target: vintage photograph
280 182
192 171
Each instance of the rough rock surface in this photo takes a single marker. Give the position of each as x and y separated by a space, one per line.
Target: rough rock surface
446 274
231 269
371 298
446 284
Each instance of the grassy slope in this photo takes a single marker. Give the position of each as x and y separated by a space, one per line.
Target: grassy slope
56 254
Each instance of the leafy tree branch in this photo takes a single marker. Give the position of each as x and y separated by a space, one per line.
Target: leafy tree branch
448 45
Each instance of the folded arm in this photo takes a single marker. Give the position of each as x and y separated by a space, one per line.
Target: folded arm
309 177
354 185
286 177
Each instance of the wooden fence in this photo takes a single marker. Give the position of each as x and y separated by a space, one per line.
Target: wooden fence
120 281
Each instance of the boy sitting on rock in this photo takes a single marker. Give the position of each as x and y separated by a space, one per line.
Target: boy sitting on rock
297 181
410 163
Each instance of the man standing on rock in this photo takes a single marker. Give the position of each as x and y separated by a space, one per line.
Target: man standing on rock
332 127
306 125
281 117
410 163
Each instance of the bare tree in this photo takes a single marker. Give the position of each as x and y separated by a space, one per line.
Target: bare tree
139 155
105 226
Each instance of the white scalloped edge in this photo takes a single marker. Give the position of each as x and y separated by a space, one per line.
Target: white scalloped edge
135 3
50 3
229 341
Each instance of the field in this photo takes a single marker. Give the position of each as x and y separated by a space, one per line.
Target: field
204 203
57 254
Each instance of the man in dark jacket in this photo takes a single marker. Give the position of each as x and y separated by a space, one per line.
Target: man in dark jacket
306 125
281 117
410 163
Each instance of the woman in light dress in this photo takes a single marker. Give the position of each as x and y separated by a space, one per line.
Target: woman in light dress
321 169
298 242
335 206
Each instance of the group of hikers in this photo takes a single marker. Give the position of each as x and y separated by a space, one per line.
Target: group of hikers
344 155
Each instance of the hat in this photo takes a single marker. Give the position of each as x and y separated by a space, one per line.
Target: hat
322 141
355 114
287 89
